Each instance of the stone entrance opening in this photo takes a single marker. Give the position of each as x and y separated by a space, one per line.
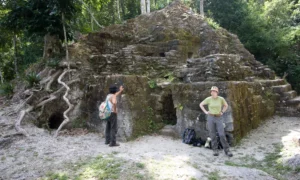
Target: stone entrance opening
169 111
55 120
162 54
190 55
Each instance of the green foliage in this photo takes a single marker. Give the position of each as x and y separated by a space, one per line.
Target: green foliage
152 84
212 23
32 79
6 89
39 17
56 176
101 168
179 106
53 63
140 165
169 76
270 30
214 175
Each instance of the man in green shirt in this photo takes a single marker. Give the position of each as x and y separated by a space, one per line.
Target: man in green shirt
216 107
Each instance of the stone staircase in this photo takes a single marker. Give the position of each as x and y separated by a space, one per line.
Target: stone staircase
288 101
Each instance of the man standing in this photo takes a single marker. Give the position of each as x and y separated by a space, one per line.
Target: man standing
112 126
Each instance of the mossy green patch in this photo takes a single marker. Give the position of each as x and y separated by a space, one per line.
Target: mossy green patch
249 107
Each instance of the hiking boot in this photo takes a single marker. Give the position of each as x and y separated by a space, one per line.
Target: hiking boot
228 153
216 153
112 145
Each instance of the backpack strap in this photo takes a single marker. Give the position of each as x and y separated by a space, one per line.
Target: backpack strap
107 97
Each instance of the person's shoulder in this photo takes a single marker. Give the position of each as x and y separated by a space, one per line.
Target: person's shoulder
221 98
208 98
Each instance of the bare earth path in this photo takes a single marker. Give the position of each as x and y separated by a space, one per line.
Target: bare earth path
160 157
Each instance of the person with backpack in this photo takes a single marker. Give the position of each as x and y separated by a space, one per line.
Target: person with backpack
111 125
216 108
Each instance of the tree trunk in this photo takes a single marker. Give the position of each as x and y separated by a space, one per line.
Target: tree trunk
66 40
112 11
148 6
202 7
1 77
52 46
118 9
123 9
91 13
143 6
92 20
15 55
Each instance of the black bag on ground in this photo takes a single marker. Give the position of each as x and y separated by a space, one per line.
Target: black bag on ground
189 135
198 142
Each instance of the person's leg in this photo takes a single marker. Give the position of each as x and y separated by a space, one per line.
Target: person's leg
114 128
212 133
107 131
221 132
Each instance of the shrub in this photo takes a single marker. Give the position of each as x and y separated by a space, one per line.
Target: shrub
32 79
6 89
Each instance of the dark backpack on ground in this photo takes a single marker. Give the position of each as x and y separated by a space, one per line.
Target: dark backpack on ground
189 135
198 142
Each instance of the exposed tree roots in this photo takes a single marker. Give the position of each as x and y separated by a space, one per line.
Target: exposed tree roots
66 118
46 99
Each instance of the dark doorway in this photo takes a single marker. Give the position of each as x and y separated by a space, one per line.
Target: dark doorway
169 111
162 54
190 55
55 120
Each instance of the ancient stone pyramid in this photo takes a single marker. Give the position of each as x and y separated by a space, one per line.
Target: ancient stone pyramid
168 60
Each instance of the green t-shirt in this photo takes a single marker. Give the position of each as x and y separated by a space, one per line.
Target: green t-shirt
214 104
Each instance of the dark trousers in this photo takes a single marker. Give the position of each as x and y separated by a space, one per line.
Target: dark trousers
215 124
111 129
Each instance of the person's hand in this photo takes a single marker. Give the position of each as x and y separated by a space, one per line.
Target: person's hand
121 88
207 112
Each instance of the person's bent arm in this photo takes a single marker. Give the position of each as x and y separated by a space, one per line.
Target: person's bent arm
224 107
120 91
203 109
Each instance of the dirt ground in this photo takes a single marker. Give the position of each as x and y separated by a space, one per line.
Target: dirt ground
261 155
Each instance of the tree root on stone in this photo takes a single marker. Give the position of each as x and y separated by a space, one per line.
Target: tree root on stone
44 100
66 118
48 86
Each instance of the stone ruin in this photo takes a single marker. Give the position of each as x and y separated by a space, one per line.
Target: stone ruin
168 60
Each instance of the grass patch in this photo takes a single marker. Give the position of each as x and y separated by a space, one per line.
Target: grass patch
214 175
139 176
140 165
100 168
56 176
271 164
